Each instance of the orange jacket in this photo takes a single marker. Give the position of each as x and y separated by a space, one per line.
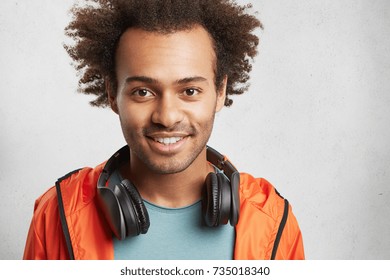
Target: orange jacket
267 228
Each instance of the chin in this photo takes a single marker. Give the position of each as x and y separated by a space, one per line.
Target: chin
168 167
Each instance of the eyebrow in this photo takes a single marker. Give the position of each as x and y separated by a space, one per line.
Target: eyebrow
142 79
190 80
149 80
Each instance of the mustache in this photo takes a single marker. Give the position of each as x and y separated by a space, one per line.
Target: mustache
180 128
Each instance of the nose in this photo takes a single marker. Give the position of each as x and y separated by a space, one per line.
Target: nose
168 111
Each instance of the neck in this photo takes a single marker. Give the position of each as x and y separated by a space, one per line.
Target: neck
170 190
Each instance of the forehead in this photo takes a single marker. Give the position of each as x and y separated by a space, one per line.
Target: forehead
186 52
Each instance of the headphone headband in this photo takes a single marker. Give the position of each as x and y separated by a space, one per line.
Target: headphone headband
113 163
220 161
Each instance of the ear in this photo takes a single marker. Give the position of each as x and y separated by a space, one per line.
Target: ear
221 95
110 95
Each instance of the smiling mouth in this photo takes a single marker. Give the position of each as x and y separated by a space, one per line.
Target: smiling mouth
167 140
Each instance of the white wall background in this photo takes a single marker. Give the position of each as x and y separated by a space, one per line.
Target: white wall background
315 122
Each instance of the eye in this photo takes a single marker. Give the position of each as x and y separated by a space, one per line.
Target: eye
191 92
142 92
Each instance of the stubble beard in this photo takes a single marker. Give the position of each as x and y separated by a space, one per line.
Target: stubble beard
172 165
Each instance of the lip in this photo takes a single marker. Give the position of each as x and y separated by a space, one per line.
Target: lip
167 149
166 135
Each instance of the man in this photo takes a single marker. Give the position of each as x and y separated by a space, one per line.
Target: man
166 68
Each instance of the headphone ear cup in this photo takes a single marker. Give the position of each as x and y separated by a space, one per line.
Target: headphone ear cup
129 214
235 206
142 215
225 200
112 211
211 201
217 199
124 209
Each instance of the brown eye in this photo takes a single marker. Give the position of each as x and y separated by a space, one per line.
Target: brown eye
142 92
191 92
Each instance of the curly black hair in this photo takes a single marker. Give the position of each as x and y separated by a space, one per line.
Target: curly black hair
97 26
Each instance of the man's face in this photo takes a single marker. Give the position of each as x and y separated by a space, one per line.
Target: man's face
166 98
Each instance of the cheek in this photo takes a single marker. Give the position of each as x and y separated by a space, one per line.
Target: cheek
131 118
207 108
203 114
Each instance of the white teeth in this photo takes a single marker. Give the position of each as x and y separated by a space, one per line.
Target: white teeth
168 140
